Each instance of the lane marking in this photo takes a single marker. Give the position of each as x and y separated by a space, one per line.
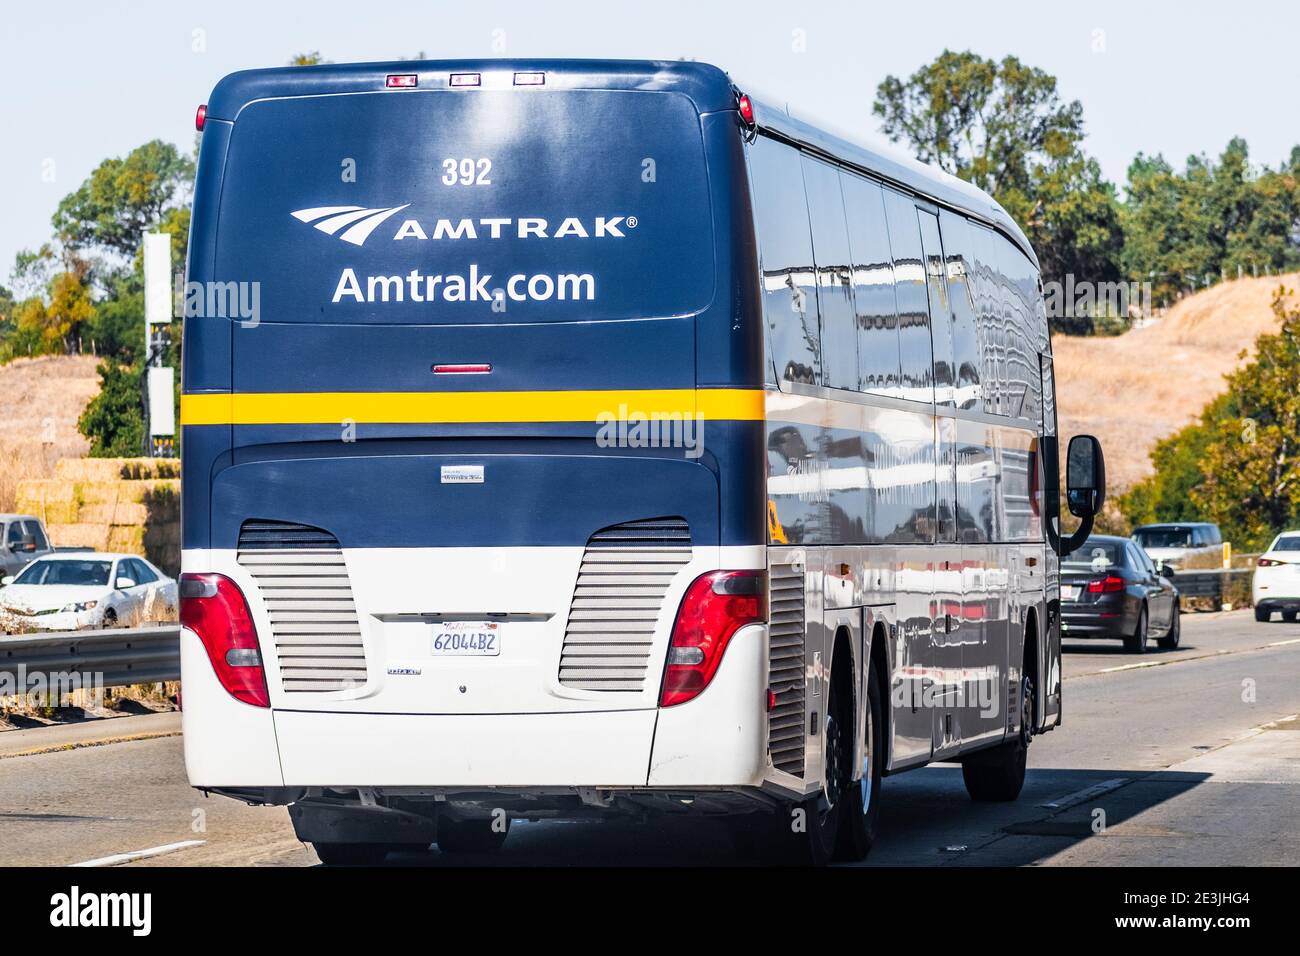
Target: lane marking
1162 662
119 858
1096 790
1131 667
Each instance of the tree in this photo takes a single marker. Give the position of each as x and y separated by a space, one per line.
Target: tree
1217 217
124 198
310 58
114 419
1003 126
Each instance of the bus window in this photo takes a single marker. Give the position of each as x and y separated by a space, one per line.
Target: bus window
1021 333
965 344
917 362
873 286
834 276
940 310
785 249
990 319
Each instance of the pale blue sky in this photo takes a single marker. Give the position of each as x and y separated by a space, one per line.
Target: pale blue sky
86 80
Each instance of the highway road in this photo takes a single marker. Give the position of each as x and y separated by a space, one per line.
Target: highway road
1174 758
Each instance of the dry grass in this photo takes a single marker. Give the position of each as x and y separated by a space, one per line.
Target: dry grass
1134 389
40 402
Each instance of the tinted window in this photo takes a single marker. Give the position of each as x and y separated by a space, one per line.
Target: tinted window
834 275
15 534
991 319
966 350
873 286
65 572
1164 537
1023 335
1104 554
940 310
785 250
1287 543
140 571
913 304
412 242
34 529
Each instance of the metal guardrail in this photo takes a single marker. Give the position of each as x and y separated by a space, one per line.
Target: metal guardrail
110 658
1207 583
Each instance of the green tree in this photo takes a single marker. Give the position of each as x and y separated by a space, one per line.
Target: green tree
124 198
309 58
1217 217
114 419
1003 126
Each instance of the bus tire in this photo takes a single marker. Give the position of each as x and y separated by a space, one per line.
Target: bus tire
351 854
997 775
476 835
861 812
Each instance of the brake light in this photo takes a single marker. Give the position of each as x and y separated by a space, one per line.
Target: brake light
200 116
213 607
1268 563
1107 585
715 606
402 81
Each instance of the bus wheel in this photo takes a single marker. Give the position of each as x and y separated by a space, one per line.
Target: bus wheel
998 774
476 835
351 854
861 811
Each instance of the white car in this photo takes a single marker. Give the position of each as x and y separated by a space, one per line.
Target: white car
1276 585
86 589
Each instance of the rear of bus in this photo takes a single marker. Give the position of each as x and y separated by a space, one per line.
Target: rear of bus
427 548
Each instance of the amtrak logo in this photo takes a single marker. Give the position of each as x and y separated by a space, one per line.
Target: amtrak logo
360 222
354 224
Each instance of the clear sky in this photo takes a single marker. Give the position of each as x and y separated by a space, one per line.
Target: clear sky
83 80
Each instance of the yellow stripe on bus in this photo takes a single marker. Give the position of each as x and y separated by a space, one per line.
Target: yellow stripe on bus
332 408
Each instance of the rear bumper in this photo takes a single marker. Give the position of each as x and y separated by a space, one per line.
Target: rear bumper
1083 625
717 740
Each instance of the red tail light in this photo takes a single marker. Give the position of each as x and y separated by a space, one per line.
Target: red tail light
1268 563
1107 585
716 605
746 108
200 116
213 607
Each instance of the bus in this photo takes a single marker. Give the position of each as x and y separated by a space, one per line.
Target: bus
575 437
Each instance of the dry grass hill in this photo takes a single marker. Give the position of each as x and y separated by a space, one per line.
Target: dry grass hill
40 402
1134 389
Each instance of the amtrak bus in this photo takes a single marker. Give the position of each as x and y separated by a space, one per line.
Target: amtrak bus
601 440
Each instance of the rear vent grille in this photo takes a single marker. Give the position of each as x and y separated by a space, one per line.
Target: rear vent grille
304 582
625 572
785 722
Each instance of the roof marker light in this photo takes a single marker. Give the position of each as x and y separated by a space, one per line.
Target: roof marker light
530 79
465 79
746 109
200 116
402 81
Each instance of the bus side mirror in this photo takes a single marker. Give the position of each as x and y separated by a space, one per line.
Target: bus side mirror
1085 477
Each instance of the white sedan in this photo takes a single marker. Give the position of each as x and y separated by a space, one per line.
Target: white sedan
1276 585
85 589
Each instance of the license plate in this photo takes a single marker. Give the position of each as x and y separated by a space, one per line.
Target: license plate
1069 592
466 639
